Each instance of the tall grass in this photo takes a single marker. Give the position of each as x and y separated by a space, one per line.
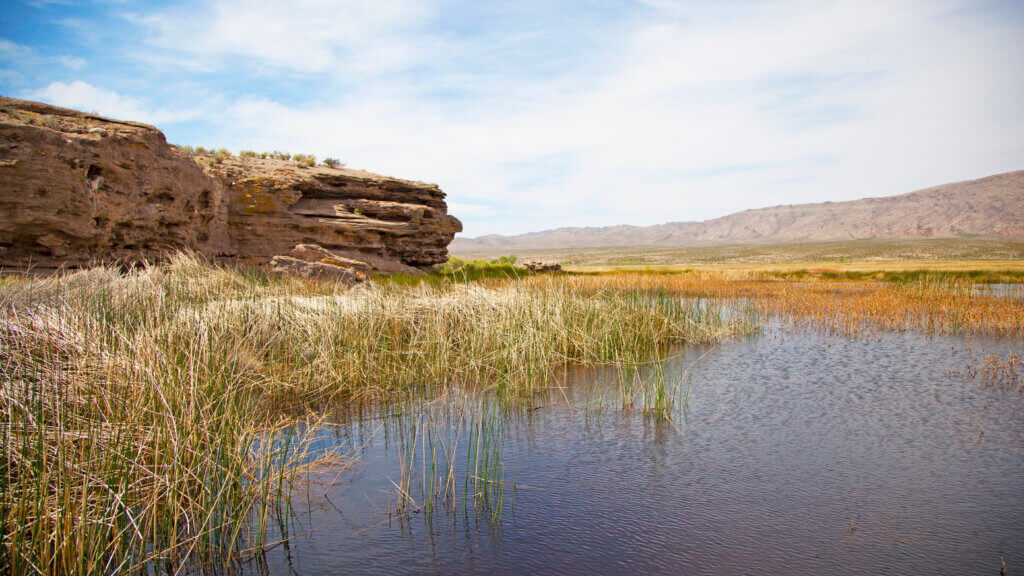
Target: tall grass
851 308
137 406
431 436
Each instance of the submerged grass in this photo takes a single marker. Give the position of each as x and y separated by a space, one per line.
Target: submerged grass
137 406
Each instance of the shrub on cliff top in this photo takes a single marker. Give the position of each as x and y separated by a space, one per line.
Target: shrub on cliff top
333 163
305 159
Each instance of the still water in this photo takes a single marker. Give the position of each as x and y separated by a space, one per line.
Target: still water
797 453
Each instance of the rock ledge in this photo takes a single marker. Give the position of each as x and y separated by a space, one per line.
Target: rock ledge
78 188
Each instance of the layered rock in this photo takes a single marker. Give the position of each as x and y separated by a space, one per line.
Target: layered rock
392 224
314 261
77 188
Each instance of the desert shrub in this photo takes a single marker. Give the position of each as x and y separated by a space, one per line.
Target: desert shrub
305 159
333 163
278 155
247 154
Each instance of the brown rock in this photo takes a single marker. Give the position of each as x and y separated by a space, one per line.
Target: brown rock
322 270
76 188
390 223
539 266
319 255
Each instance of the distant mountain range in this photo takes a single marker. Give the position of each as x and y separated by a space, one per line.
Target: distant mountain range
992 206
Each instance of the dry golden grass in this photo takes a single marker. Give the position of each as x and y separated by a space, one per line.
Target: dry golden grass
995 371
845 307
867 268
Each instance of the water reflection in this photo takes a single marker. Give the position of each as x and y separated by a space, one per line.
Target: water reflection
796 453
1000 290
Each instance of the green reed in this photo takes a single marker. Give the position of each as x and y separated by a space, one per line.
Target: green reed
136 405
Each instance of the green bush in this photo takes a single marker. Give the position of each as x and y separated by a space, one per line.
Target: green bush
247 154
468 270
305 159
333 163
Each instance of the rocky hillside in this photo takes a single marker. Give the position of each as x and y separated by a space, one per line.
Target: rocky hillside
77 188
992 206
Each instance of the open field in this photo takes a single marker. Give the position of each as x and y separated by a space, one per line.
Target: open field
897 252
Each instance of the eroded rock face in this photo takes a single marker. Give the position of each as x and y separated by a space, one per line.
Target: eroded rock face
313 261
323 270
77 188
320 255
393 224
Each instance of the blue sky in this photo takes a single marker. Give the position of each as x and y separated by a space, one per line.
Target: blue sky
533 115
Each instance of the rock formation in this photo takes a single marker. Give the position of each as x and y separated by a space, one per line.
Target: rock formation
542 266
77 188
392 224
315 261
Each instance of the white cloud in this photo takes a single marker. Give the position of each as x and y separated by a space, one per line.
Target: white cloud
12 51
83 96
72 62
308 36
689 110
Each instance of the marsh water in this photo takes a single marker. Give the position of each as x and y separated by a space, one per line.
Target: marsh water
790 452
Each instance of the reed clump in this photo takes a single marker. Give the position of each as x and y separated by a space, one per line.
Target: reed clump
144 412
850 308
995 371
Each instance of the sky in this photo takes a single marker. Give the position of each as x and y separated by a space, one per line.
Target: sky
533 115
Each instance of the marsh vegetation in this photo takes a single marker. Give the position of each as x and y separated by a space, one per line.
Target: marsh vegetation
162 418
135 402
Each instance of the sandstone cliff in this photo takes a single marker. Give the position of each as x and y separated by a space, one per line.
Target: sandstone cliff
77 188
992 206
392 224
